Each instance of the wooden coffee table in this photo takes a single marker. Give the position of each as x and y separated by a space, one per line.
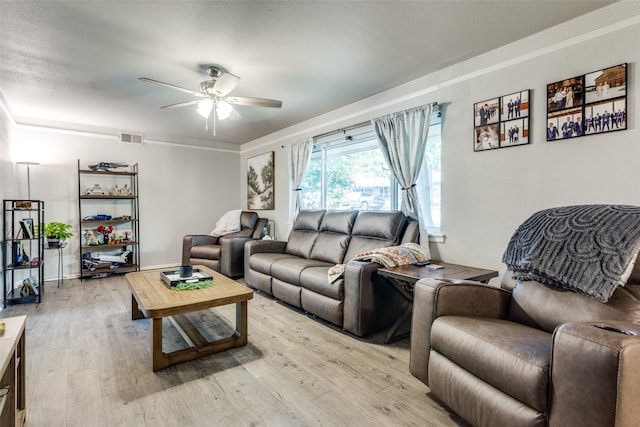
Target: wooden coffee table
403 278
152 299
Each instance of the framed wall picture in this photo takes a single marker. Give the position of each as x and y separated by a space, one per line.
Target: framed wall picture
589 104
260 182
501 122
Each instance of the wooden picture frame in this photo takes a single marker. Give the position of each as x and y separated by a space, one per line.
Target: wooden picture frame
501 122
589 104
260 182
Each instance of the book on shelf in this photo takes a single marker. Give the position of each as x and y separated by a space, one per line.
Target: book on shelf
26 225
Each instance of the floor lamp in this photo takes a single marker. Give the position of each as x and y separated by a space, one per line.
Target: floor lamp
29 164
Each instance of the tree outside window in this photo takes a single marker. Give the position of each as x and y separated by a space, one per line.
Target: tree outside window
352 174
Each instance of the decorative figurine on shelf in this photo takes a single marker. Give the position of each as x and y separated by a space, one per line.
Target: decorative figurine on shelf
96 190
107 166
126 236
105 231
25 258
88 237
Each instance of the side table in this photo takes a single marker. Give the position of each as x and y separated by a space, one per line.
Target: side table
60 262
404 277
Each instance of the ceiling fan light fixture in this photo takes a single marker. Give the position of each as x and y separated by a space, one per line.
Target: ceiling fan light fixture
204 107
223 109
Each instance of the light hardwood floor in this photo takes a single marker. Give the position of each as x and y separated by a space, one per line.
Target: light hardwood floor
88 365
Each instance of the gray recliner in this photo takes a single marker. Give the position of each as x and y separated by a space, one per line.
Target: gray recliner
224 254
530 354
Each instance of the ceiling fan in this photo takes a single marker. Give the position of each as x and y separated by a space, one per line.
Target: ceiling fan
214 93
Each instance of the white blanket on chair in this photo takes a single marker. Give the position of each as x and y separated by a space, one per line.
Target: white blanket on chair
228 223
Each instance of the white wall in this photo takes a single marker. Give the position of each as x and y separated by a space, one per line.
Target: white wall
7 181
486 195
183 190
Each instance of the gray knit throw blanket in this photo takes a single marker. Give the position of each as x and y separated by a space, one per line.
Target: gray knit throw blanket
586 248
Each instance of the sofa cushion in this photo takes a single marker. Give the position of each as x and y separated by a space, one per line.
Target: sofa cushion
381 225
315 279
497 351
333 240
339 221
359 245
262 261
304 233
374 230
547 307
301 243
289 269
330 247
309 220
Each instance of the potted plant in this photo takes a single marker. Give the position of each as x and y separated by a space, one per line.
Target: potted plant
56 233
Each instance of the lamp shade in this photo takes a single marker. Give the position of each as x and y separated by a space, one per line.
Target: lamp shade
223 109
204 107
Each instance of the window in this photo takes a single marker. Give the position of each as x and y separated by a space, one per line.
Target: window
347 171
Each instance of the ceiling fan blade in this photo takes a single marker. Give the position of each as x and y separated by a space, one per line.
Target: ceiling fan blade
253 102
181 104
225 84
235 115
170 86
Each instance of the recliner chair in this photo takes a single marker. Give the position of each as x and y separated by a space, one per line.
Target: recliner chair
529 354
224 254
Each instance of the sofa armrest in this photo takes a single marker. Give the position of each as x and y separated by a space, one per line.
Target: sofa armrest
370 301
232 255
255 246
191 240
433 298
595 374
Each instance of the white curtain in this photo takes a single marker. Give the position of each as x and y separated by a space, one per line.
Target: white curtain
403 139
298 156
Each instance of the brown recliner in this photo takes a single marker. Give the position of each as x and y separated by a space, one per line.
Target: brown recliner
526 354
224 254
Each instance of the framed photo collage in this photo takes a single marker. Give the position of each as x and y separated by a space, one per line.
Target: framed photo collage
501 122
589 104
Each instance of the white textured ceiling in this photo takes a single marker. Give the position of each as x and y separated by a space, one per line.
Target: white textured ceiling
76 64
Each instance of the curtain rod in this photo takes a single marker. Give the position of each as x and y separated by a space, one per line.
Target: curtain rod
343 130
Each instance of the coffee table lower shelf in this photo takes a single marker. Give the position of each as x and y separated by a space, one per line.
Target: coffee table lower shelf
151 299
199 346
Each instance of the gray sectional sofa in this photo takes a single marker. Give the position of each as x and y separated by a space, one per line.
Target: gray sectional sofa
296 271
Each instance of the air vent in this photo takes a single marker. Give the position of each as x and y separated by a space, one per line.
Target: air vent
131 138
